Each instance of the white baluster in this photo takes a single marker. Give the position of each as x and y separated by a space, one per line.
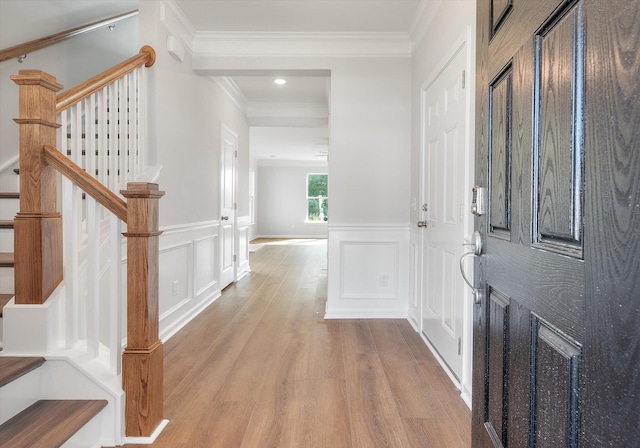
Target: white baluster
115 299
113 136
90 137
122 132
71 197
101 138
143 150
127 166
93 277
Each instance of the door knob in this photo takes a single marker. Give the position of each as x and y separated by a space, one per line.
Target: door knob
477 293
225 218
422 223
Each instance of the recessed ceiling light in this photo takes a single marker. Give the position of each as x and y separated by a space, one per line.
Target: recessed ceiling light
272 155
280 81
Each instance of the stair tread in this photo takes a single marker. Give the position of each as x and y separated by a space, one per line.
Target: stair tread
6 223
13 367
48 423
6 259
4 299
9 195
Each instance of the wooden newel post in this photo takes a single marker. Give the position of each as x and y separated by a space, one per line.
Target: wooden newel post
142 358
38 225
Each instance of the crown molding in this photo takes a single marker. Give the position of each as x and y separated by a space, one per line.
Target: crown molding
266 162
231 89
301 44
172 17
298 44
425 14
288 114
316 110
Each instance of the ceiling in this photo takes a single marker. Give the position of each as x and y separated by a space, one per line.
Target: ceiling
277 132
344 16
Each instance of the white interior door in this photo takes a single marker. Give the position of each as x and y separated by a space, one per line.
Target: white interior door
228 206
442 179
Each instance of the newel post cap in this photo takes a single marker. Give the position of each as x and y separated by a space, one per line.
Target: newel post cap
37 77
142 190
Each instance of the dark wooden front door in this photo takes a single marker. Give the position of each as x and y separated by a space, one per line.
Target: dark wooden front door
557 333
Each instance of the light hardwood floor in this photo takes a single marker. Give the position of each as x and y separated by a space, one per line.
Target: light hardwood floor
261 368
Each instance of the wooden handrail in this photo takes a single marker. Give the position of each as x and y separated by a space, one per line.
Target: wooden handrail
88 184
146 57
43 42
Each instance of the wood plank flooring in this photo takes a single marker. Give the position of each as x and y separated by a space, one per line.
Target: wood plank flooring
261 368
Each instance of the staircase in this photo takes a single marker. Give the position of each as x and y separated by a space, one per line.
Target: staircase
8 208
41 423
62 364
32 413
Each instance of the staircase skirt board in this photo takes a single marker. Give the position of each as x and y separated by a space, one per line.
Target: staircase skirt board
48 423
13 367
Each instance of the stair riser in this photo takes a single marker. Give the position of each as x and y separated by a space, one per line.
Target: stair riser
20 394
6 240
9 207
8 180
59 379
86 436
6 280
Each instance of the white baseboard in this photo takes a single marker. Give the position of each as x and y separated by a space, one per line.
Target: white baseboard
176 326
366 314
292 237
148 440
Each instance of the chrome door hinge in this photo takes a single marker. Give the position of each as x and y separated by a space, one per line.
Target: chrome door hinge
234 259
464 79
235 153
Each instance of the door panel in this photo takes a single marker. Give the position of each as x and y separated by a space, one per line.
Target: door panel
559 152
497 368
556 358
555 386
443 167
500 155
227 206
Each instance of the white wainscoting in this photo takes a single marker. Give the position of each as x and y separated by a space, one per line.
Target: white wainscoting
188 273
368 272
242 250
415 279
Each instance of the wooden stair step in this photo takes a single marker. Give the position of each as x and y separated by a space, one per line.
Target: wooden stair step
9 195
13 367
4 299
6 260
6 223
48 423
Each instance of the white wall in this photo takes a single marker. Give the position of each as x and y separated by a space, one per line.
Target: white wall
369 188
452 25
282 202
185 124
369 157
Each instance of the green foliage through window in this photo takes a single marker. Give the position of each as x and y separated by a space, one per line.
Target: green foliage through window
317 197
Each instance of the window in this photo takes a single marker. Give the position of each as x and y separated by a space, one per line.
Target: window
317 198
